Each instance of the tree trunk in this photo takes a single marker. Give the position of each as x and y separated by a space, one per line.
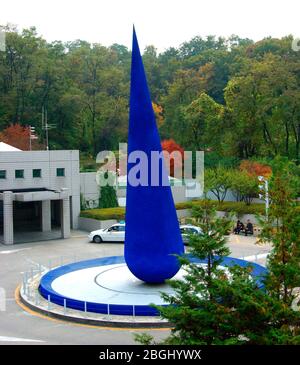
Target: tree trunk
287 137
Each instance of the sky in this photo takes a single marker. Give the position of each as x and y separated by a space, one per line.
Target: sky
162 23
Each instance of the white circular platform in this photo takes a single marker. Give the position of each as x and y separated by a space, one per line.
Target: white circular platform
105 285
113 284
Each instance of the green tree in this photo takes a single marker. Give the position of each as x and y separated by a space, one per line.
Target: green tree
203 117
263 103
185 88
216 307
243 186
282 228
108 195
232 97
218 181
193 325
108 198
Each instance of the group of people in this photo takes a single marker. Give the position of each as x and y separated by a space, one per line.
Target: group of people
240 227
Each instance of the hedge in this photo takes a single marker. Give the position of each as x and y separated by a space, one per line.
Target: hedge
104 213
237 207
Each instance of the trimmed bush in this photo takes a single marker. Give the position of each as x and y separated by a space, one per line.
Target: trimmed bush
239 208
236 207
183 205
104 213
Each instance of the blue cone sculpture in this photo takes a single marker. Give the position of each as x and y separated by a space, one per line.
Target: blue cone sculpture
152 238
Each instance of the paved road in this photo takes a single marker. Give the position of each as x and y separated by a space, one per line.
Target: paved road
17 326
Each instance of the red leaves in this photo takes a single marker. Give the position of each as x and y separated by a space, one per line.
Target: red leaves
18 136
254 168
169 145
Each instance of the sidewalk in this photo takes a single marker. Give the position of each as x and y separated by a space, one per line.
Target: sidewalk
248 248
38 236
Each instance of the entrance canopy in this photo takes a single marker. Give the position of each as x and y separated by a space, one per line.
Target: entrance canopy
36 207
29 195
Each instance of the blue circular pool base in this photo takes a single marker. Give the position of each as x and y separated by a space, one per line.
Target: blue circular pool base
105 285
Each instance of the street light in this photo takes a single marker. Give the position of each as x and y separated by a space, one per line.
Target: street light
264 188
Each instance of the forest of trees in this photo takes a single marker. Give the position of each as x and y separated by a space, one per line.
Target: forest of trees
234 98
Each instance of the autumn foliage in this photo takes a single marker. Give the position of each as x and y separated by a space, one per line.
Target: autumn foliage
158 111
18 136
255 168
176 163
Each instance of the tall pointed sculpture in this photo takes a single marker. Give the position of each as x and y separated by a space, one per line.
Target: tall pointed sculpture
152 238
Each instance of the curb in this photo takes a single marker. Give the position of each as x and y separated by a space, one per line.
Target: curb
93 322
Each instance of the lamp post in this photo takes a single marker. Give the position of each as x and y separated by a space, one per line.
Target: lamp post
265 187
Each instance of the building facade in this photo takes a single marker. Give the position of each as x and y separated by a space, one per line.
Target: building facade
39 191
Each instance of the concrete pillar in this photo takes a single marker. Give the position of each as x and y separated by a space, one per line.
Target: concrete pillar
8 222
46 215
65 218
75 211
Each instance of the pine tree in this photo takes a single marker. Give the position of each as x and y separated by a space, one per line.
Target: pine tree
214 306
282 228
108 195
196 312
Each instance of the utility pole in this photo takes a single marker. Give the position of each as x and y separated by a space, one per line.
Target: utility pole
46 126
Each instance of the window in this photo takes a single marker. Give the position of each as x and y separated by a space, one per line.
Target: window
2 174
19 174
36 173
113 229
60 172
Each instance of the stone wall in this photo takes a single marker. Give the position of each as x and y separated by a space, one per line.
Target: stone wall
89 224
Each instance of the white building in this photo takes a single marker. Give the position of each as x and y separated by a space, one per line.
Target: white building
39 191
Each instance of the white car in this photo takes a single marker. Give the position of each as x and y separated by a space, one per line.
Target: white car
115 233
188 229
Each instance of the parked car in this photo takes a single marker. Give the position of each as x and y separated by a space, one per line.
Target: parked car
116 233
188 229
